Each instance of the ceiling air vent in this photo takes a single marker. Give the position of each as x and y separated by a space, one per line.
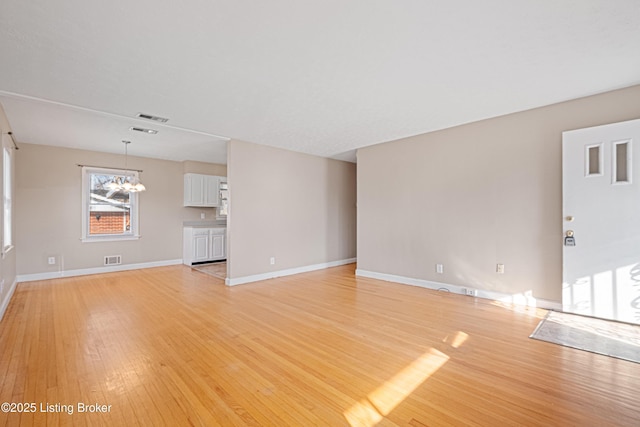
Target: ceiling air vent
150 117
145 130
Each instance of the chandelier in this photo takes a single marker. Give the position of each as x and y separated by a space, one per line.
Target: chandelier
126 183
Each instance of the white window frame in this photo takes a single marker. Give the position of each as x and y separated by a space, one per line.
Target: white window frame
7 194
134 223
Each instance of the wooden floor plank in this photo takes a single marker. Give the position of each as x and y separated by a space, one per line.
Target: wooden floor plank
173 346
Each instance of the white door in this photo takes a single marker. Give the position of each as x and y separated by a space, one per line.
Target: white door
211 184
201 246
217 246
193 189
601 224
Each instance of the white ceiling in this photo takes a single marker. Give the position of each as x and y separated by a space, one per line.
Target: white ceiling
321 77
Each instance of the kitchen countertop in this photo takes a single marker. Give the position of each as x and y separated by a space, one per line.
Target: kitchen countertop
203 224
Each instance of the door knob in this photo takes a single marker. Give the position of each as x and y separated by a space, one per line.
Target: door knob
569 233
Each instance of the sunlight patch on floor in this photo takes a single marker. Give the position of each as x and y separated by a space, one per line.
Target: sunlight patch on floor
457 340
523 302
370 410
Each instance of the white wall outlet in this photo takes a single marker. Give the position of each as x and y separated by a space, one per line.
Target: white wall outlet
272 260
202 215
51 260
439 268
470 292
500 268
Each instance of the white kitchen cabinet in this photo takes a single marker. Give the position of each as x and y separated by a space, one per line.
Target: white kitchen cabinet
217 246
201 190
204 245
201 245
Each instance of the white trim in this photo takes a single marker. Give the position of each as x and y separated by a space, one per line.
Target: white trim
287 272
95 270
134 208
7 298
587 160
614 162
6 250
109 238
519 299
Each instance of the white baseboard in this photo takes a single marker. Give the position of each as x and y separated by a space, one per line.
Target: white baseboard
519 299
7 298
95 270
288 272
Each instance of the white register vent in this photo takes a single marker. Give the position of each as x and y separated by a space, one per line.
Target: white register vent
113 260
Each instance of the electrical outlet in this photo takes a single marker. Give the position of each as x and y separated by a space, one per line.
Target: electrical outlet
202 215
51 260
272 260
500 268
439 268
470 292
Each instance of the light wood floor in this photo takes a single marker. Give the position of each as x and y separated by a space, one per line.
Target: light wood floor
172 346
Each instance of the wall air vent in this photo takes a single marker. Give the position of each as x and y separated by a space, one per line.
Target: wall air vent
150 117
113 260
145 130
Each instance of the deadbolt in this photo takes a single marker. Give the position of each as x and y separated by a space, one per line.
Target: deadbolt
569 233
569 218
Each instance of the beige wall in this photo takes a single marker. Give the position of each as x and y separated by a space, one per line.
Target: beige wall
49 210
8 261
190 166
295 207
476 195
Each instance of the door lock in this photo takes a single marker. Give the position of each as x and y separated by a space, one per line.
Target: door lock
569 240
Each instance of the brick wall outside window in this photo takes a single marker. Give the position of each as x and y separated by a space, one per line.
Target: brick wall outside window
108 222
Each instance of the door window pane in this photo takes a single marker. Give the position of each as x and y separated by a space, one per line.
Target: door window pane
622 160
593 160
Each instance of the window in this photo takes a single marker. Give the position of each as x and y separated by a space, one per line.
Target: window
7 194
107 213
622 162
594 161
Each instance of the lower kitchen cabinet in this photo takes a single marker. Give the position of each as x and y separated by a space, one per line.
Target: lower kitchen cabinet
203 245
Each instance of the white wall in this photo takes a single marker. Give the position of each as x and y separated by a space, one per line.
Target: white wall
476 195
295 207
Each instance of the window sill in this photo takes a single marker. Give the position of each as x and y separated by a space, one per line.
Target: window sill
95 239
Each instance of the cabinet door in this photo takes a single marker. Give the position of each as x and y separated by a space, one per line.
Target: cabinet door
194 189
217 246
212 196
201 247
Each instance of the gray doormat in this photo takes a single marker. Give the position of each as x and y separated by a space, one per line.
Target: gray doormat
615 339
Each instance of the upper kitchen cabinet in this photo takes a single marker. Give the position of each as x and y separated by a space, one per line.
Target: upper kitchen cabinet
201 190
